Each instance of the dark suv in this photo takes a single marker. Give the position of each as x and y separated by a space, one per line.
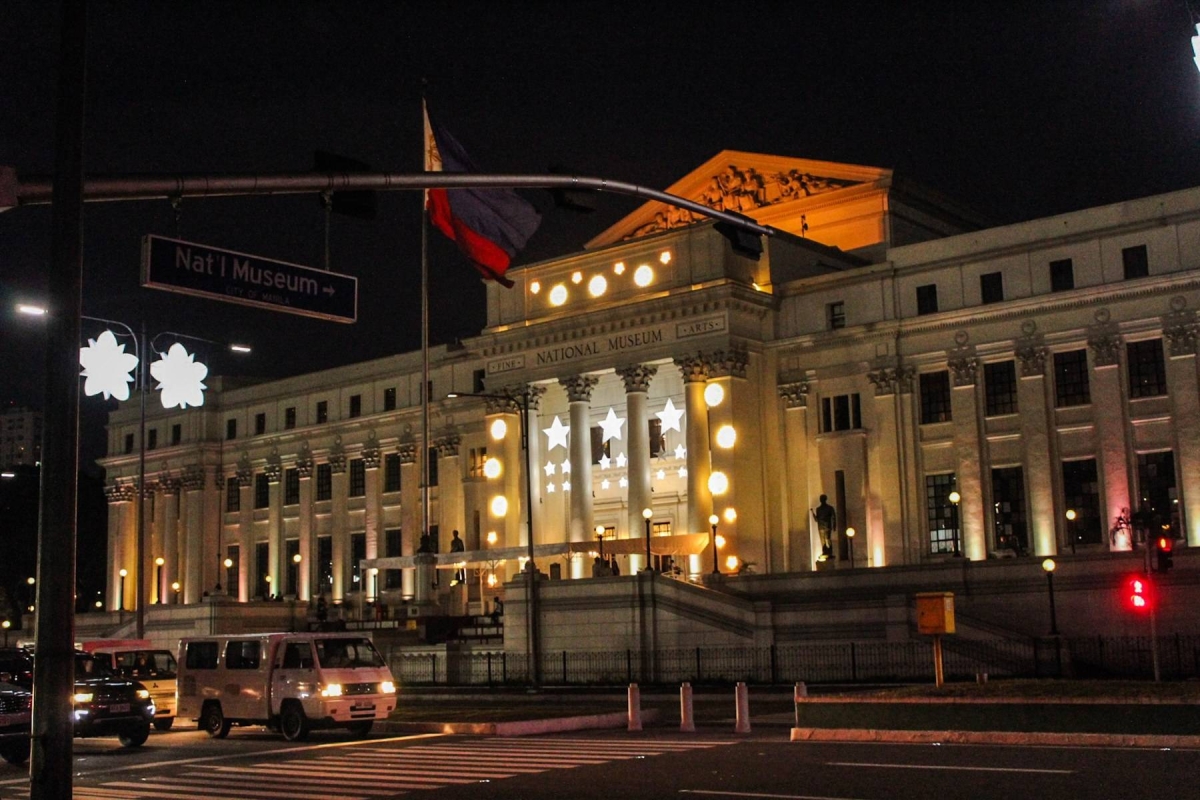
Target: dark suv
105 703
16 719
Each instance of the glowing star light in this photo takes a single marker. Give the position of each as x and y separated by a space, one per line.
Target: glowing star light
621 461
566 467
680 451
611 425
670 417
605 462
683 472
107 367
604 484
623 482
566 486
180 378
557 434
549 469
549 488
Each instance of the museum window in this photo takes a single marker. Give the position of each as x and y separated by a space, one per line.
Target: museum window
324 482
355 406
260 424
291 487
835 313
1062 275
322 412
391 472
941 515
476 458
431 458
841 413
233 495
291 549
289 418
991 287
128 443
230 429
262 491
1008 499
927 302
935 397
1071 387
358 551
1135 261
1000 388
262 557
358 477
152 439
658 442
389 399
392 578
1158 494
1147 371
1081 493
477 381
176 434
600 448
324 564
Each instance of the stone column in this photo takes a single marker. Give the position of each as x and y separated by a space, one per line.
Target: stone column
450 487
1180 333
912 483
1036 413
534 518
275 552
245 533
886 546
695 370
171 572
579 395
507 452
307 573
122 522
373 512
191 487
964 409
410 511
794 477
637 379
1109 414
156 524
340 521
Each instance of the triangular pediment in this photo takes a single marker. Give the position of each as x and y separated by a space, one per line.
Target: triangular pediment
762 187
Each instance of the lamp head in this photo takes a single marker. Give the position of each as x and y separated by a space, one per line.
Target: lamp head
954 497
1048 565
850 533
123 573
1071 515
713 519
647 513
158 562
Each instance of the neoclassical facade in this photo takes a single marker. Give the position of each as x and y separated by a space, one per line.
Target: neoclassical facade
953 389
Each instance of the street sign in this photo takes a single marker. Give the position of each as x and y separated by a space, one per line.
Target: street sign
204 271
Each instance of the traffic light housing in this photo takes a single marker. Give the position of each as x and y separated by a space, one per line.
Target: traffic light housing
1163 558
1138 593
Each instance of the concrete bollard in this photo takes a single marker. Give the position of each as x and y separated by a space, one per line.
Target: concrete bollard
635 707
743 709
799 696
687 722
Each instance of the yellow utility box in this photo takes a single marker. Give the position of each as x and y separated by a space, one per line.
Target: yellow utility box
935 612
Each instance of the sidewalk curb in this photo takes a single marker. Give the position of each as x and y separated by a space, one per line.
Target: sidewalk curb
532 727
994 737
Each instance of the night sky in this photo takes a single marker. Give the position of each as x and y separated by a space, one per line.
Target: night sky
1018 109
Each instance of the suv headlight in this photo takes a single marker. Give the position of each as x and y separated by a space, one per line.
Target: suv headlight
332 690
143 694
387 687
83 697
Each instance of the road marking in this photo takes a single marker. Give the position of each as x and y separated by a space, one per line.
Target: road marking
946 766
763 794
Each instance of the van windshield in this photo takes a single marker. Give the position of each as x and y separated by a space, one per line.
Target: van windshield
343 653
146 664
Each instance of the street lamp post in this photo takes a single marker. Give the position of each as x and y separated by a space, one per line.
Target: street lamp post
1048 567
6 625
124 572
954 499
158 581
1071 528
646 515
712 520
850 544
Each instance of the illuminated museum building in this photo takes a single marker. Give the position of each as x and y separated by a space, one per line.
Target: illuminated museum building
887 350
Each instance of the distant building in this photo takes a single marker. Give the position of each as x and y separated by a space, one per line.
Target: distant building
887 350
20 437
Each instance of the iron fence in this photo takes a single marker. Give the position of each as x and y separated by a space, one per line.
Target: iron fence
840 662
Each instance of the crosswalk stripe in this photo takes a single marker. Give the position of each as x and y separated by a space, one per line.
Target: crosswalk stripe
285 780
519 757
430 761
355 773
380 782
240 791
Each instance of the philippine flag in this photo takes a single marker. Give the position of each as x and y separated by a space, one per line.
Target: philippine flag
489 225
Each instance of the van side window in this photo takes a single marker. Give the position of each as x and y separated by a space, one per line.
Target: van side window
201 655
297 655
242 655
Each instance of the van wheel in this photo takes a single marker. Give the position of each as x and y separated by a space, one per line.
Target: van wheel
16 754
360 729
164 723
135 735
213 721
293 724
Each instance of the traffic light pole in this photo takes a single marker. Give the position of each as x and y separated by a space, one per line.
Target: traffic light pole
1153 614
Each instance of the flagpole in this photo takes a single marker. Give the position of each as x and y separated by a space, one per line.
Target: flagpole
424 345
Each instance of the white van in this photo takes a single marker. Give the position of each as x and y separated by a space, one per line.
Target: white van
138 660
290 682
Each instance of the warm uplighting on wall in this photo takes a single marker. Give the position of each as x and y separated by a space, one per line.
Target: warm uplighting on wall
558 295
718 483
535 287
664 257
714 393
619 268
491 468
499 429
730 514
732 562
492 538
499 505
720 538
491 580
726 436
576 277
597 285
643 275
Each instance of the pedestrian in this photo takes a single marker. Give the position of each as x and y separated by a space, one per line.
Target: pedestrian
497 611
457 546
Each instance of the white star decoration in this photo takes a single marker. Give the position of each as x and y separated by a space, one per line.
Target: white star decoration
180 378
623 482
549 488
683 472
605 461
566 467
670 417
604 484
680 451
548 469
557 434
106 366
566 486
611 426
620 461
660 474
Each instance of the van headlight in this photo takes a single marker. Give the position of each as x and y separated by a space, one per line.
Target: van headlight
83 697
143 694
387 687
331 690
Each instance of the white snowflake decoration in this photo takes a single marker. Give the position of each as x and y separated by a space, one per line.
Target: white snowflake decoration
107 367
180 378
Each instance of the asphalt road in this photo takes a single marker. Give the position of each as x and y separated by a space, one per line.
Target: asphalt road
658 763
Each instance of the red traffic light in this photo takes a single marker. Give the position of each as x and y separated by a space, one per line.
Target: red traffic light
1138 593
1165 544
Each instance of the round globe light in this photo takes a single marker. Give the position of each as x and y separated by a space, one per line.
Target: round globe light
714 393
644 275
726 436
731 562
1048 565
491 468
718 484
558 295
954 497
499 505
730 514
499 429
713 519
598 285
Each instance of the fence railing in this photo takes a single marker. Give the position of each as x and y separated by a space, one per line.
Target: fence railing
841 662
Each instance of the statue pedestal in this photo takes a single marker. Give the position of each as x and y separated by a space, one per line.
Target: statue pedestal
826 565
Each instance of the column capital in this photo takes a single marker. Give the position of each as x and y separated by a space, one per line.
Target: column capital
1181 332
964 369
1105 344
886 381
120 492
304 461
274 468
637 376
510 404
447 444
694 368
408 453
244 472
579 387
1032 356
794 395
193 478
370 452
168 483
337 456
